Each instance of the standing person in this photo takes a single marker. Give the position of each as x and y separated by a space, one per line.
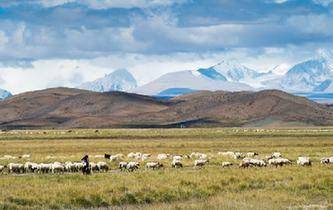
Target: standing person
86 165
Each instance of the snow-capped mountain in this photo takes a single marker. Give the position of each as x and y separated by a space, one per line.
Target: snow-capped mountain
120 80
312 75
4 94
193 80
233 71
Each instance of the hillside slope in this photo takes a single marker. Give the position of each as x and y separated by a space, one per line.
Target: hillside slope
69 108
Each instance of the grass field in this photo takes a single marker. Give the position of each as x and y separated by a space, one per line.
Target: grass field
289 187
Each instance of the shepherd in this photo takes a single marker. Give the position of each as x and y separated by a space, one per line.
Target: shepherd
86 165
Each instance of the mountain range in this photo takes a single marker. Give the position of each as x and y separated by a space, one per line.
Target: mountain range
119 80
314 75
76 108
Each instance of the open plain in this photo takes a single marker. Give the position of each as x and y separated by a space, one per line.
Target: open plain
210 187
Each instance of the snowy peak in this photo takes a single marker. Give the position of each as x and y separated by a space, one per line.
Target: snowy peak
212 74
311 75
327 56
234 71
4 94
119 80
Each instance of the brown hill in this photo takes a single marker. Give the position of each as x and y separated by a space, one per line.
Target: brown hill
67 108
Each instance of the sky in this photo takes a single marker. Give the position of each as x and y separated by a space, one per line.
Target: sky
51 43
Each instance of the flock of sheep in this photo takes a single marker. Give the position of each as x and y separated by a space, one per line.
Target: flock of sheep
199 160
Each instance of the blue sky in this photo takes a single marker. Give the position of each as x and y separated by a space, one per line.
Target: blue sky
66 42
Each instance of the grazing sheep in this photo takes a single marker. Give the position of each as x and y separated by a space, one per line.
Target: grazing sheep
163 156
94 167
177 157
123 166
251 154
154 165
326 160
244 164
103 166
77 166
279 161
30 167
131 166
200 163
238 155
8 157
2 168
199 155
15 168
145 157
69 166
57 167
226 164
227 154
276 155
26 156
45 167
257 163
303 161
115 157
133 155
176 164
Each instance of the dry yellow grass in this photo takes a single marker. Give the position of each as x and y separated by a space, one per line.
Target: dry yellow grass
290 187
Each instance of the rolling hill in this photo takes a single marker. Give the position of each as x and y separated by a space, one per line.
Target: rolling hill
74 108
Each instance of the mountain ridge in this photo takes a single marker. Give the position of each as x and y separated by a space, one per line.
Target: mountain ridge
74 108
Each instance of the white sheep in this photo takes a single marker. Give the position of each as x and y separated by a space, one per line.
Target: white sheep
176 164
94 166
163 156
15 168
227 154
131 166
123 165
251 154
145 157
177 157
57 167
226 164
103 166
238 155
45 167
326 160
154 165
279 161
303 161
276 155
200 163
30 167
116 157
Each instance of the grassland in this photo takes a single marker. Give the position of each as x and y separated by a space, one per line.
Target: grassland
290 187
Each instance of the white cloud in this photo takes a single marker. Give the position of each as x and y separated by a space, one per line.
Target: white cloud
71 73
104 4
323 2
313 23
3 38
53 3
96 4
